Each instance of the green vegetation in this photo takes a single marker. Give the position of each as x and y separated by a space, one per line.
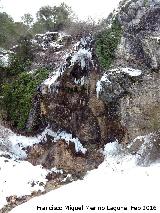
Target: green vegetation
18 95
146 3
10 31
48 19
106 44
52 18
7 30
22 59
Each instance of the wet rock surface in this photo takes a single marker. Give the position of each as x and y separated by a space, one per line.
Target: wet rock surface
63 156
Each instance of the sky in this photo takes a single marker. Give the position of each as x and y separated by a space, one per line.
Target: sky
96 9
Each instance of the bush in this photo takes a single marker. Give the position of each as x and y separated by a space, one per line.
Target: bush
23 57
106 44
18 95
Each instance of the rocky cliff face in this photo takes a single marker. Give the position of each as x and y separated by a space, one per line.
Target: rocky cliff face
71 102
140 41
68 102
132 83
119 104
94 104
139 49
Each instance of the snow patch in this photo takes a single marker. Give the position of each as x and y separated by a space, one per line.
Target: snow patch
55 45
19 178
4 60
16 144
55 170
53 78
99 87
62 135
82 57
130 71
80 81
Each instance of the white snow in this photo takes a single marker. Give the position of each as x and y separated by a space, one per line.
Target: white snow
15 46
83 41
4 60
129 70
80 81
55 45
3 51
19 178
50 33
62 35
56 170
78 52
99 88
157 38
15 144
53 78
118 182
43 40
76 45
81 57
62 135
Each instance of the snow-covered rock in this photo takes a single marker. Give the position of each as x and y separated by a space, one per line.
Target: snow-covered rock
116 82
16 144
4 57
83 57
62 135
79 53
18 177
52 40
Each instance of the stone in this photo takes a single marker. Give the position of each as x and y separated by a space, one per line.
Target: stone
63 156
